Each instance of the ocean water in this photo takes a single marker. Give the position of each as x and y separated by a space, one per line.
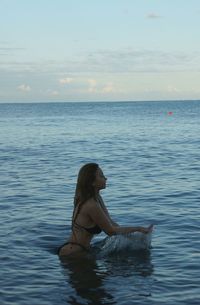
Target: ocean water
150 153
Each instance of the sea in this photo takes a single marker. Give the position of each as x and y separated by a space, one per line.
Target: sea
150 154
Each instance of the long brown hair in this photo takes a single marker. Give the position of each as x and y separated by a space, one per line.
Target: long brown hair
84 187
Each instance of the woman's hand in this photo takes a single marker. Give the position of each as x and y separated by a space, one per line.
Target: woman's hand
146 230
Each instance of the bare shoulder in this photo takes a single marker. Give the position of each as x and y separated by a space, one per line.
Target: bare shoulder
91 204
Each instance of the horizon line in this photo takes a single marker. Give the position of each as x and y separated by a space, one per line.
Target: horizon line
113 101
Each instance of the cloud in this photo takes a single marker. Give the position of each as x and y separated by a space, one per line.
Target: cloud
153 16
66 80
24 88
100 88
92 82
173 89
6 49
49 93
108 88
132 60
54 93
92 85
10 49
126 60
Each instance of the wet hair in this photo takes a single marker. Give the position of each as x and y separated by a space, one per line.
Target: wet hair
84 187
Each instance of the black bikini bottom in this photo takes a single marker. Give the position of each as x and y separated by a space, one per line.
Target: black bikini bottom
72 243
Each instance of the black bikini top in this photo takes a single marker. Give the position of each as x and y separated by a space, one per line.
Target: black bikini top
93 230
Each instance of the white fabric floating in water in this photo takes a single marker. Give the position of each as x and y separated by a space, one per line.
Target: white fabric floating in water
132 241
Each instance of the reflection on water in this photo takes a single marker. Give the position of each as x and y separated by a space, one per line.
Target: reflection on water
135 263
91 278
87 279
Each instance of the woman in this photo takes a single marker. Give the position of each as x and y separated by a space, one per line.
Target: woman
90 215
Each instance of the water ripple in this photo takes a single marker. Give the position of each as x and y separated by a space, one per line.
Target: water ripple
152 163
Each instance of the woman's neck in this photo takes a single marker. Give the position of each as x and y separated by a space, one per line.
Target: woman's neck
97 193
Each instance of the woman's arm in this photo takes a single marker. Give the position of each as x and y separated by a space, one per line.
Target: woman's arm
99 216
101 202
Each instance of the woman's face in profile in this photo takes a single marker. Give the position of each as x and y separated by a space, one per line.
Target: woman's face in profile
100 181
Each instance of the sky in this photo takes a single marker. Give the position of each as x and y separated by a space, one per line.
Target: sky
99 50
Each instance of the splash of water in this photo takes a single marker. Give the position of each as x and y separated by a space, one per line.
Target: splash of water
132 241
